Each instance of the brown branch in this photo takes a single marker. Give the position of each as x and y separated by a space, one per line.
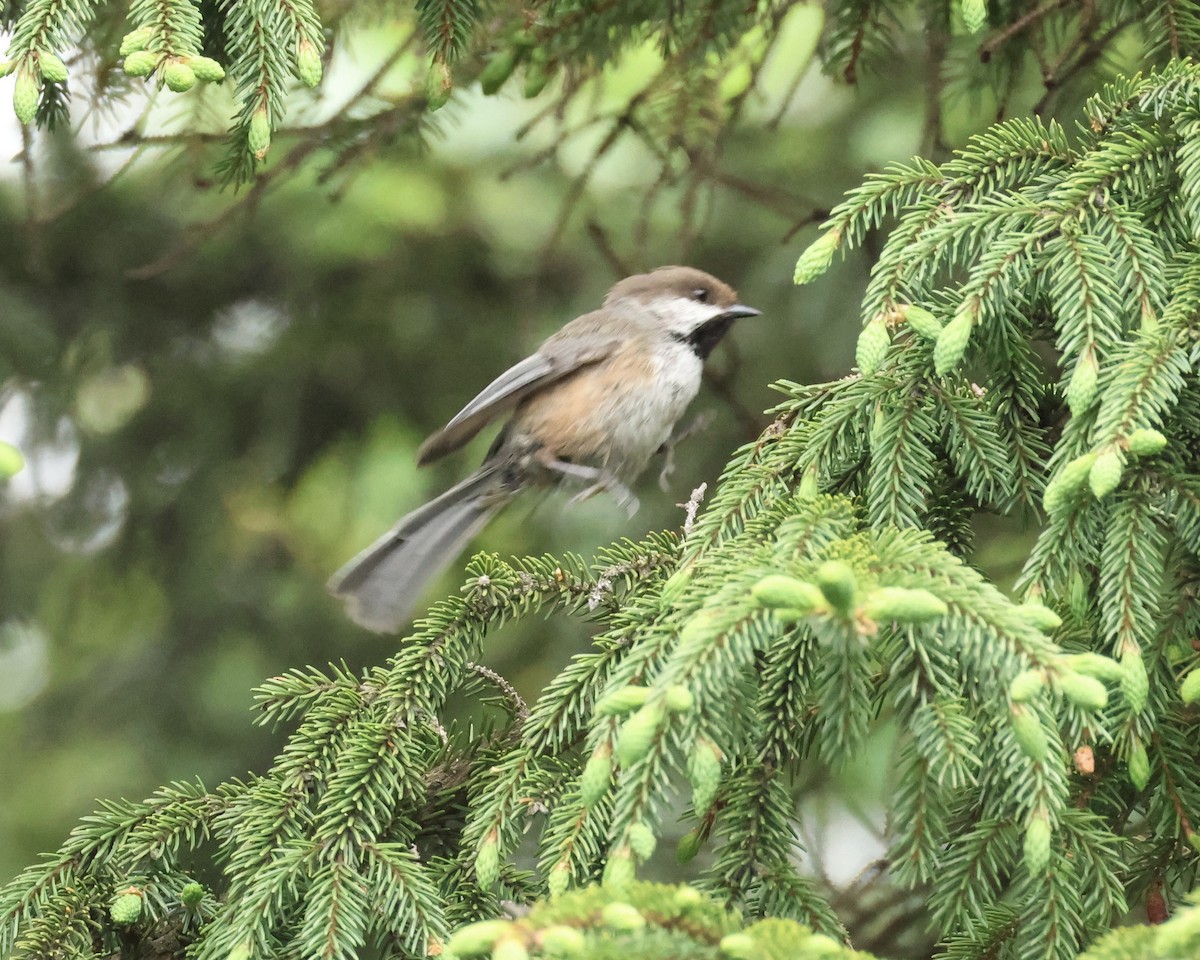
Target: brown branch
578 186
1089 55
768 196
937 44
998 39
519 707
1172 789
599 237
197 233
641 229
816 215
721 383
689 227
35 250
850 74
1172 27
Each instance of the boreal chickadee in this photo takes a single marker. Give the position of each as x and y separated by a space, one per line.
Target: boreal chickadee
596 401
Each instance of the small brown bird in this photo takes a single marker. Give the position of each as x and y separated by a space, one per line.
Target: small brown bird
594 404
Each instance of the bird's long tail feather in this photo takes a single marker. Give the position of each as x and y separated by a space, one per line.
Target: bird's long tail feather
381 584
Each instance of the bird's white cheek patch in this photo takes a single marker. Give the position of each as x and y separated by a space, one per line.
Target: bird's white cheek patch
684 316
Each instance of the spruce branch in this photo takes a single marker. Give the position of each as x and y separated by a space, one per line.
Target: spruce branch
1045 763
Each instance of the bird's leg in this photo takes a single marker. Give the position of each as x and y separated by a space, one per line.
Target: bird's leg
601 481
607 483
568 469
699 422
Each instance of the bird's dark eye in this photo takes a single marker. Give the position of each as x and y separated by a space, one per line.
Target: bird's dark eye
700 295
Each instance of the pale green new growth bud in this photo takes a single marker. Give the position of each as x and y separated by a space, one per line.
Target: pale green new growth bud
778 591
487 863
678 698
838 584
1189 690
622 701
1036 850
952 341
878 426
1029 733
136 40
53 69
1144 442
1081 390
642 841
308 64
438 86
596 777
258 136
1105 474
537 75
704 772
141 63
703 626
1083 691
816 259
974 14
740 946
901 605
873 344
1135 684
686 896
922 321
819 945
736 82
791 614
1095 665
477 938
638 733
497 71
207 69
1026 685
178 76
1064 484
192 895
25 96
674 586
688 846
510 949
1040 616
810 485
1138 763
622 916
11 460
619 871
126 909
559 879
562 941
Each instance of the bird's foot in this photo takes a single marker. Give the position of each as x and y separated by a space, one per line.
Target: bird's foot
699 422
607 483
601 482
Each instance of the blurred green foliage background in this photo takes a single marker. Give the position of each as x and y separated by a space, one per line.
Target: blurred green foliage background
210 438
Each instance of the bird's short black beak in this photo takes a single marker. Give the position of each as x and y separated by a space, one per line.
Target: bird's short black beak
739 310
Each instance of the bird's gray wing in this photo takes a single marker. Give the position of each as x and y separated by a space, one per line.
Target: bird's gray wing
556 359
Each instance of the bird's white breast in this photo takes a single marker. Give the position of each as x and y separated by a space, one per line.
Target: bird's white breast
646 416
